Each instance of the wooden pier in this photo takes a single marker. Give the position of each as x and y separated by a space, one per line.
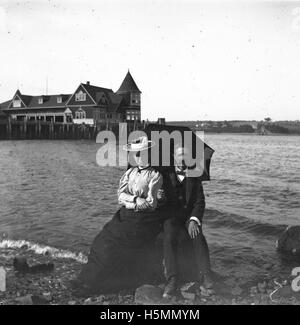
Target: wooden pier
26 130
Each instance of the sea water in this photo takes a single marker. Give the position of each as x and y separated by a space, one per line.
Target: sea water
54 196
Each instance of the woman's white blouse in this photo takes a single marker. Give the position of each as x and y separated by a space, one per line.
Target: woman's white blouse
144 183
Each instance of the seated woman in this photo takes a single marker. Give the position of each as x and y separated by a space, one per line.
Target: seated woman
135 224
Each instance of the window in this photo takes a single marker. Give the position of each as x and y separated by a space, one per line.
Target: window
59 118
135 99
137 115
80 96
109 115
17 103
21 117
133 115
80 114
41 100
103 101
59 99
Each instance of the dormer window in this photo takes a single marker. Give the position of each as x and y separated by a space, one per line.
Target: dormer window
80 96
103 101
59 99
17 103
40 100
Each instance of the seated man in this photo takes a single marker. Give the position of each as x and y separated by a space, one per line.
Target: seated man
186 200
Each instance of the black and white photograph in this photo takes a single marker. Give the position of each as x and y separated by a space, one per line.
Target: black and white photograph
149 154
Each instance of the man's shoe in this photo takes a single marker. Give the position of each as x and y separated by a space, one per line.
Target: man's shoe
170 288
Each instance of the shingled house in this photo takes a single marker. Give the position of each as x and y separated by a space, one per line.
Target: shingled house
88 104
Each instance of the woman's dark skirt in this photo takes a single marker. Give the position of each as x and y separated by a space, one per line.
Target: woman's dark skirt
113 262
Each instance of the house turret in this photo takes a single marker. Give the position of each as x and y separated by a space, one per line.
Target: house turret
130 91
132 98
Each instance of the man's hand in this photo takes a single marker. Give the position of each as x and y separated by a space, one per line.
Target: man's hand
161 195
193 229
141 203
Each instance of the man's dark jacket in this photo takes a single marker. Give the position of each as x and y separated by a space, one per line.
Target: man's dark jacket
194 196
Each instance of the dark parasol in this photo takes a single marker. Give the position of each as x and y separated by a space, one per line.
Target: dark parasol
207 152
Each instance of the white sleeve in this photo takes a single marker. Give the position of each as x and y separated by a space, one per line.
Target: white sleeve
123 195
197 220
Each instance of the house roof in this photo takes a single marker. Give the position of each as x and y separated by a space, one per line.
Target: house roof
128 85
33 101
114 100
4 105
95 91
48 101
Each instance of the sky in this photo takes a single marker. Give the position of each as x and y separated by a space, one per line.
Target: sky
192 60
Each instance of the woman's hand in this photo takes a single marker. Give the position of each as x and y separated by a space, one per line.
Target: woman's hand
141 203
193 229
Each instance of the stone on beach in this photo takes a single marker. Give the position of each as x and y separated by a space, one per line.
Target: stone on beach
262 287
237 291
21 265
188 295
40 299
148 295
72 302
47 296
189 287
2 279
24 300
289 241
253 291
206 292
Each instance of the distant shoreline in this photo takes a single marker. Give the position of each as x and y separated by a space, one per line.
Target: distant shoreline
266 127
254 134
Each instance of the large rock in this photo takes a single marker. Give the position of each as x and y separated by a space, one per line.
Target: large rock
21 265
289 241
148 295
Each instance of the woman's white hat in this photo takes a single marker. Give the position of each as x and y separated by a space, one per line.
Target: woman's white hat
139 144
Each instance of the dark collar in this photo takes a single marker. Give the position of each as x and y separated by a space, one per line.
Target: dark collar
144 168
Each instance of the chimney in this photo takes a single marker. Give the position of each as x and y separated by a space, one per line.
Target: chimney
88 83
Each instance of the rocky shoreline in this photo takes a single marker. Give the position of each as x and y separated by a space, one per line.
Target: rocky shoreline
49 288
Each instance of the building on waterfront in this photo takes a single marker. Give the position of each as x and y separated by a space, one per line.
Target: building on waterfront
88 104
